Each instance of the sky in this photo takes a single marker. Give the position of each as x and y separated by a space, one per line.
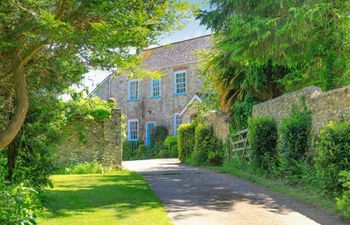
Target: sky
191 29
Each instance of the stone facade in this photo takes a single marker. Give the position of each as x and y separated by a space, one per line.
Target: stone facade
168 59
324 106
88 141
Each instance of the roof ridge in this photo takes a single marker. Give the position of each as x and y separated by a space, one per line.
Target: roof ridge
177 42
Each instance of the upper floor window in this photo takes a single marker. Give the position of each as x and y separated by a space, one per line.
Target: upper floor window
180 82
133 130
133 89
177 122
155 88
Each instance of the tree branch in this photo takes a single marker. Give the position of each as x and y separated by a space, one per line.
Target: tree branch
22 8
22 99
7 136
61 10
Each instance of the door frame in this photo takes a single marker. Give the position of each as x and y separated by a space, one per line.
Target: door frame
148 137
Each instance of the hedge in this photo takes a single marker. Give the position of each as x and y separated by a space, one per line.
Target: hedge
262 135
333 155
294 133
186 134
208 150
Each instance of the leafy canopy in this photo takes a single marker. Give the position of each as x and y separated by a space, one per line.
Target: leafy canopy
47 45
265 48
311 37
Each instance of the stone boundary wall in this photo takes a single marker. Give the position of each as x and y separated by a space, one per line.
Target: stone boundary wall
88 141
220 123
324 106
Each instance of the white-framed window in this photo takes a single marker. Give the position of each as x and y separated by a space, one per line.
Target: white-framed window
180 82
133 130
155 88
177 122
133 89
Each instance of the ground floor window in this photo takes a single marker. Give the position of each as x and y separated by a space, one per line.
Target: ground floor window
133 130
177 122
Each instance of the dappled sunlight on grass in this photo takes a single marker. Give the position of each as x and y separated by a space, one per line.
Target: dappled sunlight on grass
122 197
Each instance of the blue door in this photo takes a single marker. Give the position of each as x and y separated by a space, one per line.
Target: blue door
149 126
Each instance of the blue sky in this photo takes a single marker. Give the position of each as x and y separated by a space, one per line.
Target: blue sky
192 29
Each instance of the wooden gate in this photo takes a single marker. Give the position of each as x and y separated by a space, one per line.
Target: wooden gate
240 146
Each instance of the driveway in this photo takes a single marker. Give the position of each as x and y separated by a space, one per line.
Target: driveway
194 195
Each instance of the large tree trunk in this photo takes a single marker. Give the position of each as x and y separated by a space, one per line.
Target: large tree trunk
19 81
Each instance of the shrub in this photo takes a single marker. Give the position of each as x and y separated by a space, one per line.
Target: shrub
130 149
158 134
174 152
262 135
293 141
170 144
208 149
333 155
186 140
201 144
85 168
141 152
241 110
164 153
343 202
18 204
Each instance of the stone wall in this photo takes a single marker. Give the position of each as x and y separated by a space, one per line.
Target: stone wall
324 106
88 140
220 123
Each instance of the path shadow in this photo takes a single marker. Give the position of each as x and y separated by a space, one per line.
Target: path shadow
184 187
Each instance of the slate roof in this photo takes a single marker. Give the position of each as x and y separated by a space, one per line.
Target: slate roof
176 53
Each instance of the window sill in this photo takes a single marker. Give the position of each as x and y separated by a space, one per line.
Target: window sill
180 94
133 100
136 140
154 97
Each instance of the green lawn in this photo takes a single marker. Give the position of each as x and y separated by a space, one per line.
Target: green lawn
122 197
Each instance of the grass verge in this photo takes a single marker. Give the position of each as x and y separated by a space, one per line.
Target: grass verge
305 193
121 197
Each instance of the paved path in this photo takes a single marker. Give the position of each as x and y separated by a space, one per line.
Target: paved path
194 195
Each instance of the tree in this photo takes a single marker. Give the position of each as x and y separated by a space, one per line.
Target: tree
297 43
233 80
52 43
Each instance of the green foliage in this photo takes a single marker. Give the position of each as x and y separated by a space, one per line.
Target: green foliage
174 152
170 143
241 111
309 39
186 134
234 80
158 134
333 155
262 135
88 109
18 204
141 152
164 153
294 133
208 149
343 202
35 143
85 168
131 150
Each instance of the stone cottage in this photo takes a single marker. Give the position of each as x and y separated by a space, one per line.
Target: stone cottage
153 102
